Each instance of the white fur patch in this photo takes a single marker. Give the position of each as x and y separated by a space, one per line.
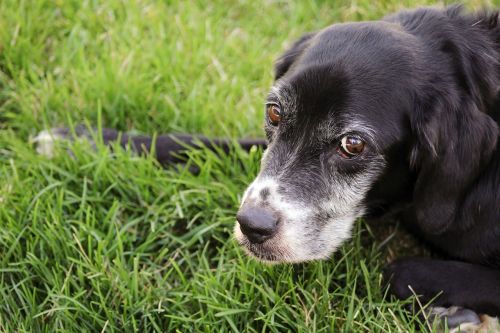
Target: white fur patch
298 238
286 242
486 323
45 142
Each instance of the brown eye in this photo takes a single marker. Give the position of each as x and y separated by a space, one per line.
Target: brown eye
351 146
273 112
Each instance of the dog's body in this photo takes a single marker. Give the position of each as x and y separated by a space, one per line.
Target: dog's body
365 118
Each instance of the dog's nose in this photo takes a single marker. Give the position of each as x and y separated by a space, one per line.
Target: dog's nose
257 223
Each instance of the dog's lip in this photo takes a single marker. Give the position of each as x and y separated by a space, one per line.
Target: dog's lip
269 258
260 252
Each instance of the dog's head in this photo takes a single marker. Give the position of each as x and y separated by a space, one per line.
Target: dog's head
360 117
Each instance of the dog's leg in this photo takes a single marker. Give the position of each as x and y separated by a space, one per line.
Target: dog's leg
169 149
468 288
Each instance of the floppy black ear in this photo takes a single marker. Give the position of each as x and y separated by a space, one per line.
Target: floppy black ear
452 149
284 62
456 136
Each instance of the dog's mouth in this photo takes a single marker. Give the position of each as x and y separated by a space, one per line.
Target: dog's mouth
256 251
259 252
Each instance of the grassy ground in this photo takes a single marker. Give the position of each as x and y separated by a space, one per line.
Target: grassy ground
110 242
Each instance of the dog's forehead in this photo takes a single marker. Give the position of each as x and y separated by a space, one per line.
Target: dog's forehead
350 76
322 101
371 57
314 92
362 43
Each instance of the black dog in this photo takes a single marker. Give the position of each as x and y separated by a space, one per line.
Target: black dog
364 118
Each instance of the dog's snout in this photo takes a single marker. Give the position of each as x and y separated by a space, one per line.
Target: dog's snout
257 223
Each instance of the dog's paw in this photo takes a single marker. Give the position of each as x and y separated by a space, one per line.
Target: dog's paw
458 319
455 318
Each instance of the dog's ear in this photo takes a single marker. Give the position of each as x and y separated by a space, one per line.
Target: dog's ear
453 146
284 62
456 136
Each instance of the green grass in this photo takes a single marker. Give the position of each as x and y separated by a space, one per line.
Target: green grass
109 242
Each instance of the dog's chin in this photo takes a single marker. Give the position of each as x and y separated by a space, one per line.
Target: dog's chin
273 251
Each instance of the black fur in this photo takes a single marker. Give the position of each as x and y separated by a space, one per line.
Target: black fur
427 81
439 132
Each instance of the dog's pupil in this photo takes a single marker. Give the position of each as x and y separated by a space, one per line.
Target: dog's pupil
354 145
274 114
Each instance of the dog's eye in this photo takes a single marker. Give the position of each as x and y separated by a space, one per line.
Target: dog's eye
273 112
351 146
